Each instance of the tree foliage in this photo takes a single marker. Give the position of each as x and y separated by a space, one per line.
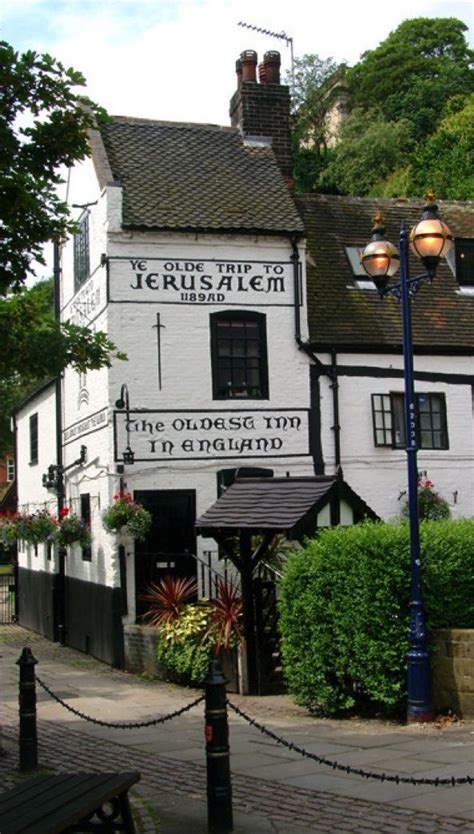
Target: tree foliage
370 148
410 125
414 72
36 347
44 125
315 86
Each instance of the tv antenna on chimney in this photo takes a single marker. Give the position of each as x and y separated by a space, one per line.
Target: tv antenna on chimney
281 36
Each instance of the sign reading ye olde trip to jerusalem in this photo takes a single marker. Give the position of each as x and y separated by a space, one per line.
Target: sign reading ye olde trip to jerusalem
179 281
184 435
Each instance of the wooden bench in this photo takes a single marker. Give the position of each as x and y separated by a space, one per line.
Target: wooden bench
67 802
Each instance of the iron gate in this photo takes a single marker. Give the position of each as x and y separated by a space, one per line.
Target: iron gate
7 598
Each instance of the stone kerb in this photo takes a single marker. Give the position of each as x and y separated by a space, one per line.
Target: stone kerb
453 670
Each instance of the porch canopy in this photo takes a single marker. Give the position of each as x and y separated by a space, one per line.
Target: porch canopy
266 507
282 505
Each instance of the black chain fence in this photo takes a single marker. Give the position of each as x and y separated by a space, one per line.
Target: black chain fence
356 771
290 745
119 725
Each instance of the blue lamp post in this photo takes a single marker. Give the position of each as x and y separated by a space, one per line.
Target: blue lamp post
430 240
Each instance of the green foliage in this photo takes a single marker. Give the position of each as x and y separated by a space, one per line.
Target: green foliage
43 125
411 125
344 610
127 514
445 162
414 72
185 644
431 505
35 348
370 148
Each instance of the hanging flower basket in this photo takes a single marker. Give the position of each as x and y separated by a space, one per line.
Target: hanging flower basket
34 528
8 529
71 529
128 516
430 503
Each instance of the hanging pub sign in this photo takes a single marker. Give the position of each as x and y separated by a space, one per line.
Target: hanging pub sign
207 435
190 281
87 304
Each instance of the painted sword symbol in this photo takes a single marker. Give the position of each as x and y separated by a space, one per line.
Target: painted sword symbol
159 327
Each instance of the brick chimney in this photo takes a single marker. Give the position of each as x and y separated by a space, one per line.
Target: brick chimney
262 108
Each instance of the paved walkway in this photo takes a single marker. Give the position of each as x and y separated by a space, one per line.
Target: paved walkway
274 789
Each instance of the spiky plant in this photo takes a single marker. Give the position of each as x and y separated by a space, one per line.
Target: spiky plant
166 599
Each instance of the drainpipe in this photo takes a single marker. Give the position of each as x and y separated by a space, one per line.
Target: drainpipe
295 260
59 598
335 407
304 346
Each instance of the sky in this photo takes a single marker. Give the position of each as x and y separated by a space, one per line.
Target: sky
176 60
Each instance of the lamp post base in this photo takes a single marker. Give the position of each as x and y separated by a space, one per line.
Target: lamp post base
420 707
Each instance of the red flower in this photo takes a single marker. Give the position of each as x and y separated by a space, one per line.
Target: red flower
64 512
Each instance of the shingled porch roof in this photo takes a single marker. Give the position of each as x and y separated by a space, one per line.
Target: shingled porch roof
345 317
279 505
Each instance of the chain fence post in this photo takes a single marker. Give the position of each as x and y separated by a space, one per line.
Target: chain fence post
219 787
27 702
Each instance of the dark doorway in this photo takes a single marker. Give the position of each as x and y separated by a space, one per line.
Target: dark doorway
171 541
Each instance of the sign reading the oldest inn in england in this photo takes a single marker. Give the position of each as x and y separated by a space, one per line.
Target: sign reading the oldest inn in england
189 281
201 435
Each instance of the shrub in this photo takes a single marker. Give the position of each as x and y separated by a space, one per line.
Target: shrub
189 635
185 645
345 607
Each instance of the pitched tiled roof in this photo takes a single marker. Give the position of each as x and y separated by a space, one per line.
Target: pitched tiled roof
344 317
276 504
196 177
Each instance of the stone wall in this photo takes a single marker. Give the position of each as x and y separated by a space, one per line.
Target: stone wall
140 657
140 649
453 671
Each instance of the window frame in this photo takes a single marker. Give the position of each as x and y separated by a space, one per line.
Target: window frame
393 420
464 247
85 513
247 317
34 438
10 469
81 251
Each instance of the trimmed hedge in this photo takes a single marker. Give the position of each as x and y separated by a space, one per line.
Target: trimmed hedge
344 610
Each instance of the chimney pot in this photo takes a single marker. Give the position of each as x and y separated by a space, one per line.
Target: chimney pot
272 62
238 69
262 74
248 59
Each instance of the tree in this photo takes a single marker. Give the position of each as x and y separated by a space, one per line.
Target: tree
445 162
370 148
35 348
43 125
316 85
414 72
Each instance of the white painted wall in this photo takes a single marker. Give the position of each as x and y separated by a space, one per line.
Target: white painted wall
32 495
378 474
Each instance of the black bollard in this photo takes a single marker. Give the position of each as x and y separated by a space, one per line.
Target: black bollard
27 701
219 788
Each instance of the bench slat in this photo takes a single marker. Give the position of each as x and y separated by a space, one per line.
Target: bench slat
49 804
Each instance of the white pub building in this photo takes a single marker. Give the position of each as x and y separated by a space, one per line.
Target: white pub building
191 254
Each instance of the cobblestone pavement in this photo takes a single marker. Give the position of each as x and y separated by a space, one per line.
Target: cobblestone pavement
167 780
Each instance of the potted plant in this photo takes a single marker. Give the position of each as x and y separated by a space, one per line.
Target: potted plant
128 515
70 528
34 528
8 529
431 505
